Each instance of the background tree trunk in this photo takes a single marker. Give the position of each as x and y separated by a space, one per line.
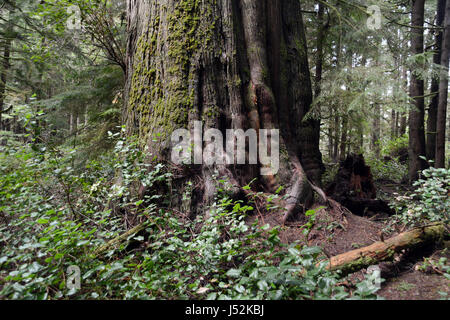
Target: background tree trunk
404 117
232 65
5 63
344 132
416 115
393 124
337 127
432 110
319 53
376 130
443 93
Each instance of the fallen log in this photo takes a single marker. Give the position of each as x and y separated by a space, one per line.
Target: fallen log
116 242
377 252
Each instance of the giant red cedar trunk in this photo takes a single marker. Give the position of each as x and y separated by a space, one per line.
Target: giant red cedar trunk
416 91
232 65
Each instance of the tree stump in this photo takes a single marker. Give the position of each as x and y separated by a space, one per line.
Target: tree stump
354 188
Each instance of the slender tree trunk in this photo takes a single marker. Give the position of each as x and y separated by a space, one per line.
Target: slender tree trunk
231 65
403 124
404 117
330 140
337 127
432 110
71 123
416 115
361 140
76 121
86 116
344 136
396 129
393 118
337 118
376 130
443 93
3 78
318 80
361 122
344 146
5 63
319 53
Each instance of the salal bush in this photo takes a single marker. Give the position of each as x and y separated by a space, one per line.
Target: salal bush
391 170
430 202
53 216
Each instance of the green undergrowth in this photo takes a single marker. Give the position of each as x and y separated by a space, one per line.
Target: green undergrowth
53 217
428 203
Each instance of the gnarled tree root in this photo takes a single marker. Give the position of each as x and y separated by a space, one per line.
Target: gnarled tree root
377 252
301 191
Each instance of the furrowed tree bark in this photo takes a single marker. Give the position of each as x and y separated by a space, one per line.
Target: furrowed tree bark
231 65
416 92
355 260
443 92
433 107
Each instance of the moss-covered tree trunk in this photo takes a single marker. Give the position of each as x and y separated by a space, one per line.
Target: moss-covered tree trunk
232 65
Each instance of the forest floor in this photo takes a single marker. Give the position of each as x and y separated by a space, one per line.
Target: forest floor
338 232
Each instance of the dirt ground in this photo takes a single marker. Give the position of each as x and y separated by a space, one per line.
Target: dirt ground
339 232
415 285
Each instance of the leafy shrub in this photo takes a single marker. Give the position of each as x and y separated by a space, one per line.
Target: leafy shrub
390 169
331 170
395 147
54 217
430 202
437 266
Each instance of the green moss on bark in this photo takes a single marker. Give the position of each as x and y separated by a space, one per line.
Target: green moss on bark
172 43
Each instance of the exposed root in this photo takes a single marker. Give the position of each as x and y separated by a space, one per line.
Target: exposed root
302 193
